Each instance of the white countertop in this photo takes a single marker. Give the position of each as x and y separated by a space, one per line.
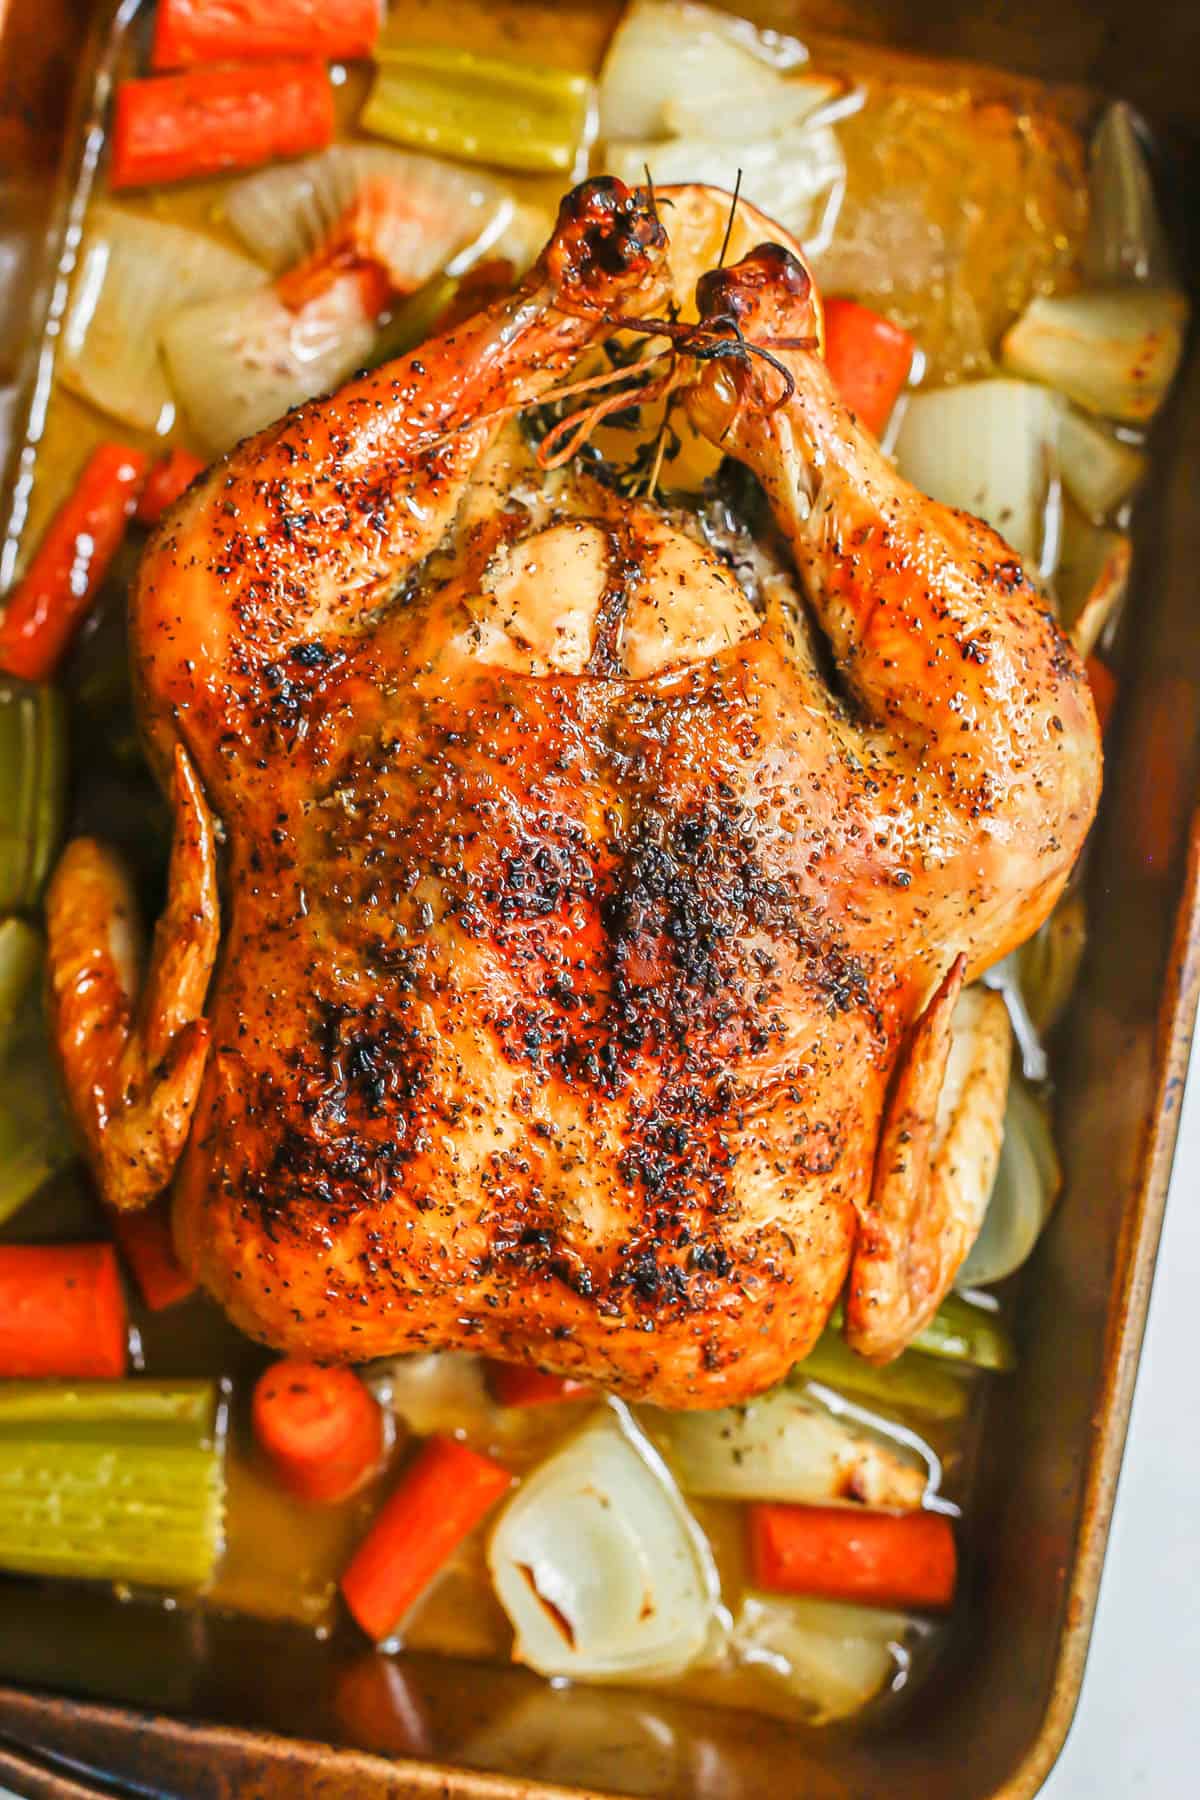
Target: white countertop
1136 1734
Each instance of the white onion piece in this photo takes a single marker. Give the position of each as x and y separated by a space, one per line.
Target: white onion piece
600 1567
1126 241
676 50
831 1658
1004 978
1113 351
443 1392
133 274
969 1131
1092 582
1098 470
786 177
782 106
239 362
551 1732
782 1447
1028 1178
1049 961
985 447
425 214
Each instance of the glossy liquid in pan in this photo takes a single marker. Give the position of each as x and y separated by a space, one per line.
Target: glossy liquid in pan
993 1715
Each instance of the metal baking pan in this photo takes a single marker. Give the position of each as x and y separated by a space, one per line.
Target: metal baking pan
97 1698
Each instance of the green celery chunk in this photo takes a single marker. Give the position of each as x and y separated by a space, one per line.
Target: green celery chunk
112 1481
35 1138
912 1381
480 108
20 955
962 1332
413 320
33 779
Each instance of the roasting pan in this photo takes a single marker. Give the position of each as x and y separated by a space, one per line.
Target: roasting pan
97 1698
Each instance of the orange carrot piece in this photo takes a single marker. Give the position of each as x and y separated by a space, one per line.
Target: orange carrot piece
146 1243
869 359
170 477
62 1313
320 1429
514 1385
52 598
1104 689
176 127
845 1553
442 1496
187 32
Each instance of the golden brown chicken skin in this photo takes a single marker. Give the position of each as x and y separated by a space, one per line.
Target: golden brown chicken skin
588 936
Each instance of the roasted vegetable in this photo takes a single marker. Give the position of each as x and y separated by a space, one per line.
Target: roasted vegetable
33 779
985 447
598 1563
112 1481
783 1446
441 1497
480 108
1113 351
133 274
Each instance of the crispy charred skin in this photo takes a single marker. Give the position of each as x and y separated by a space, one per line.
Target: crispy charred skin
976 729
557 1009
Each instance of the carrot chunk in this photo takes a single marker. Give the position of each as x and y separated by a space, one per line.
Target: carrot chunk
170 477
320 1429
187 32
53 597
62 1313
869 359
176 127
148 1247
845 1553
441 1498
514 1385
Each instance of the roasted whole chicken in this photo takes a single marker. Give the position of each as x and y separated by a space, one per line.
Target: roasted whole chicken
563 926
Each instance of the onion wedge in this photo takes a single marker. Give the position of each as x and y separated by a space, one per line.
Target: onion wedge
238 362
787 177
1091 582
133 274
782 1446
1126 241
598 1563
1027 1181
675 59
426 214
1113 351
985 447
830 1657
1098 470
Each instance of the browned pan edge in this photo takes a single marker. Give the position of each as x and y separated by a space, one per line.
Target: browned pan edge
82 1742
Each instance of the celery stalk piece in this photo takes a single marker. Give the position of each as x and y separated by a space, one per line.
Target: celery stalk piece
962 1332
480 108
20 954
413 319
112 1481
33 778
35 1139
959 1331
912 1381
